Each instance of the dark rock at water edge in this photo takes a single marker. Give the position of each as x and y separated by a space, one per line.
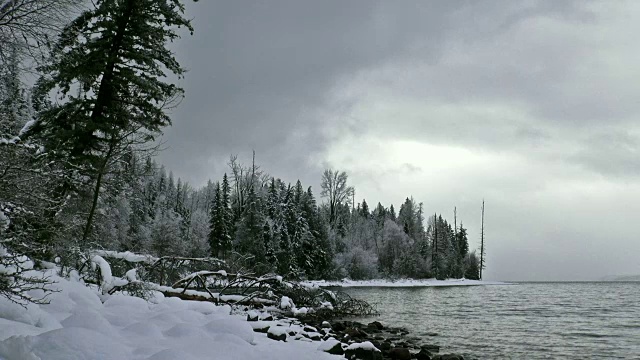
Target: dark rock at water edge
363 354
391 343
336 349
424 354
375 327
338 326
356 333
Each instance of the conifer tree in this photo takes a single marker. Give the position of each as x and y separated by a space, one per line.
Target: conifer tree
250 230
364 209
109 72
379 217
472 266
216 224
270 248
272 206
228 228
462 247
304 242
407 217
291 232
318 251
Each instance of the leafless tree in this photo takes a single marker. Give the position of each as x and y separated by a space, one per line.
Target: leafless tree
482 248
242 178
30 26
335 189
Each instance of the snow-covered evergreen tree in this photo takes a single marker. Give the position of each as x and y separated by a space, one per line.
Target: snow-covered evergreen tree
109 71
216 224
250 229
228 229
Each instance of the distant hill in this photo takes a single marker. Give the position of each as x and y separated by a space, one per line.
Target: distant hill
621 278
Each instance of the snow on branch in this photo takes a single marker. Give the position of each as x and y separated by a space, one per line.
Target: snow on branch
108 281
19 283
127 256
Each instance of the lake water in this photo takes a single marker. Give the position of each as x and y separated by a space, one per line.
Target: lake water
521 321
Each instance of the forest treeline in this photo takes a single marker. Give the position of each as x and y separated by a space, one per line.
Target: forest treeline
77 169
282 226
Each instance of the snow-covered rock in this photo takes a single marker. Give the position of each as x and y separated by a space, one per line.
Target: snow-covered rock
364 350
277 333
331 346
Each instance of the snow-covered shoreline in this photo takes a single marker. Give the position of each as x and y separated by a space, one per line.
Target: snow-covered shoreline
403 283
85 322
80 323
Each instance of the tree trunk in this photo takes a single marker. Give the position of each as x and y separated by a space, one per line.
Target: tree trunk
96 193
104 98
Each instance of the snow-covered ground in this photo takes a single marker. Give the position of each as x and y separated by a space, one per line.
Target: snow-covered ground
402 283
81 324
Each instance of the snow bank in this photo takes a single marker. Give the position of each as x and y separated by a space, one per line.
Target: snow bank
76 325
401 283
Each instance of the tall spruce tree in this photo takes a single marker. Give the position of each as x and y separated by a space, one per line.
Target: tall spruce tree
216 223
392 213
228 230
365 209
463 249
109 72
250 231
317 250
303 240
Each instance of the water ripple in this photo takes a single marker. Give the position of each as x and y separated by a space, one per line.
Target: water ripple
527 321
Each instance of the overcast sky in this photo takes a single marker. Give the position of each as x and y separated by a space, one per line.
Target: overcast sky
532 105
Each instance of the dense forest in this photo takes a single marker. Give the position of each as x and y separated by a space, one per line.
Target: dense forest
280 225
77 169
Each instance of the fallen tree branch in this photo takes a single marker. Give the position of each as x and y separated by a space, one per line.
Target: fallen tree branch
219 286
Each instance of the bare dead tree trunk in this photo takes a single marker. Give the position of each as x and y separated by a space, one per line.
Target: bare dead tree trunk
253 169
482 242
455 221
434 255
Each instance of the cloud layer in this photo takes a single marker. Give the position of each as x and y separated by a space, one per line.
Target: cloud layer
531 105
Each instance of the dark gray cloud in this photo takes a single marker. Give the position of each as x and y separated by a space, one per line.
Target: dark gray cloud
260 71
532 105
